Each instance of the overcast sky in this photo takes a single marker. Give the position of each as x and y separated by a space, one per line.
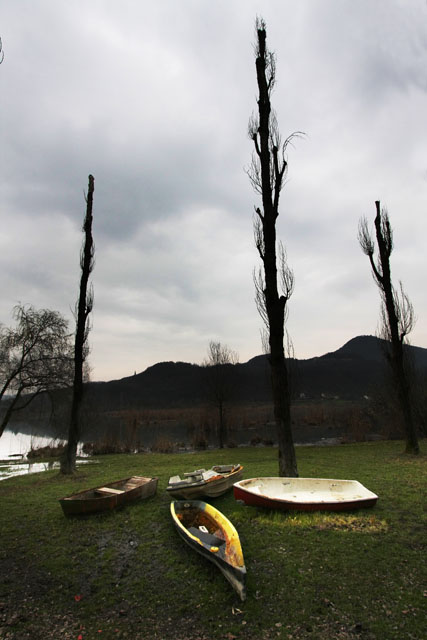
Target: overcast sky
153 99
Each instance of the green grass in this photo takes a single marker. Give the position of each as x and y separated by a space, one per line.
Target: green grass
127 574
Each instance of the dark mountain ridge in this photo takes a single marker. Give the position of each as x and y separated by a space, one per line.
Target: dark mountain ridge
351 372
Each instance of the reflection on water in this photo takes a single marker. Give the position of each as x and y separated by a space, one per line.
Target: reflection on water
14 448
11 469
17 445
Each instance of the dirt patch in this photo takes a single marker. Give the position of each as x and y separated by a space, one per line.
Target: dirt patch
31 613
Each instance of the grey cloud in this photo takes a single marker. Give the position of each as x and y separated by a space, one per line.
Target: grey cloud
154 101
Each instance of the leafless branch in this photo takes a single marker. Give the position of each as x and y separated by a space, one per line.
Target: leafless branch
259 283
382 223
254 173
405 313
368 247
219 354
287 279
365 239
259 234
290 351
265 343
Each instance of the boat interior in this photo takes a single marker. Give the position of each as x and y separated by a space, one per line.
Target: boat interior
108 491
206 537
304 489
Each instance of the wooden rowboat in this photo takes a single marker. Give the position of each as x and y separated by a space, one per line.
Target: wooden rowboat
304 494
210 533
211 483
109 496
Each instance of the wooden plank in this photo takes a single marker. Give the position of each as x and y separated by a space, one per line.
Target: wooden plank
109 490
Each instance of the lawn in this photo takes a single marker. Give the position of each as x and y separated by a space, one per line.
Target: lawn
127 574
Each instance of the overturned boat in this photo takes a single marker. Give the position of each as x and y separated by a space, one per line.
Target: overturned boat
304 494
210 483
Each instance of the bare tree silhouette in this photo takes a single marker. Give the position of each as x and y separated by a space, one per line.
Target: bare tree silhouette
267 174
397 316
35 357
83 309
220 382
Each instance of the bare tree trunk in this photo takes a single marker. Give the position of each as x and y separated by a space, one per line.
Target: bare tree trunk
397 345
9 411
267 173
282 411
222 426
397 320
220 383
412 444
85 305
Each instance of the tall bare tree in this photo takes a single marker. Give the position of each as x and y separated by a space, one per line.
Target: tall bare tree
267 174
83 309
35 357
220 382
397 316
1 52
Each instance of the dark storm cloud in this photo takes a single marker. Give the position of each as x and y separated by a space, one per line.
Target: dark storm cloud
154 101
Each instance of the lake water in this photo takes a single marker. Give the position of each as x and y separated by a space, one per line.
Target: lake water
14 448
19 444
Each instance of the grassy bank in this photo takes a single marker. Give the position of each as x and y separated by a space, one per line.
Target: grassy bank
126 574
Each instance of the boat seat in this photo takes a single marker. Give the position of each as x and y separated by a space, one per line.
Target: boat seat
109 490
131 484
175 482
225 468
206 538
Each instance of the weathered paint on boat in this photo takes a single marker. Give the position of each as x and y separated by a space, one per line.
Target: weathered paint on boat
304 494
210 533
210 483
109 496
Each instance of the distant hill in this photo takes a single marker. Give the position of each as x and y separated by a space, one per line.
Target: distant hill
350 372
164 384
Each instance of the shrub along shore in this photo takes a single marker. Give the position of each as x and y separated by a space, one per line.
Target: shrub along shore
126 574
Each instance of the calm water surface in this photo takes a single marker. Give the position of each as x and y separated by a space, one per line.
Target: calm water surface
14 448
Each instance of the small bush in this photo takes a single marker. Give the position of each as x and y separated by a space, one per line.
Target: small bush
105 448
315 416
163 445
51 451
199 440
200 443
88 448
140 448
255 441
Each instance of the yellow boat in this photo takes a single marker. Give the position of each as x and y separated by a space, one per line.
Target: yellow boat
210 533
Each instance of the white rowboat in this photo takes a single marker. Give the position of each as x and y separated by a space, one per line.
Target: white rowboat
304 494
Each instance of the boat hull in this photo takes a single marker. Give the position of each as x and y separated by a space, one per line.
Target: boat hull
109 496
220 543
304 494
209 489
